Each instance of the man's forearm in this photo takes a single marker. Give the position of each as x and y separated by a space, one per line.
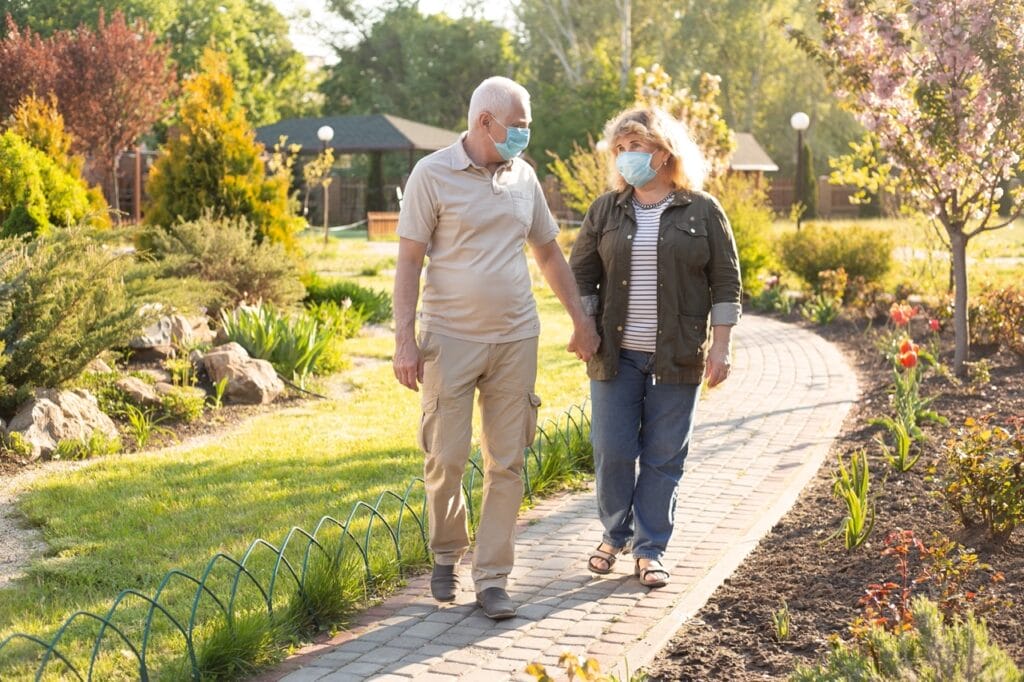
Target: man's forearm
561 280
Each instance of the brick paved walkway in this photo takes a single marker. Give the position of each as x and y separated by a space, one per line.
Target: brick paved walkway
759 439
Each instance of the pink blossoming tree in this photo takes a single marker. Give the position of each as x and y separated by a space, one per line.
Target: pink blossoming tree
939 85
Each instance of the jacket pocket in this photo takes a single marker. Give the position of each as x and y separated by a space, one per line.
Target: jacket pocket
428 423
688 242
690 343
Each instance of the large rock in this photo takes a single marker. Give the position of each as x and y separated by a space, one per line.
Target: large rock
138 391
250 381
155 343
190 331
51 416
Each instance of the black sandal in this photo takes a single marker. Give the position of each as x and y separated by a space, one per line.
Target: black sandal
653 568
601 555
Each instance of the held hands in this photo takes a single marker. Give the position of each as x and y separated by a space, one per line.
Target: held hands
718 366
408 364
585 339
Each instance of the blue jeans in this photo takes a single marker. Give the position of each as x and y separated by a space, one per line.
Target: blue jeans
636 419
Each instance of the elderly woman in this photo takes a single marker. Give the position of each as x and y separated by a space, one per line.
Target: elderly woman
656 263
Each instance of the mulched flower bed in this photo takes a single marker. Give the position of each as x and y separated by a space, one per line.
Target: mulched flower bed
732 638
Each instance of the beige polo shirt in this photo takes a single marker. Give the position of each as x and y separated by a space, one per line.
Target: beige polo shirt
477 283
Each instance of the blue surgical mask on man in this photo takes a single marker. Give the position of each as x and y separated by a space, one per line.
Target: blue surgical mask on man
516 140
635 167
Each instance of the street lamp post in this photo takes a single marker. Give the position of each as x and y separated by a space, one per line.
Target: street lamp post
800 122
325 134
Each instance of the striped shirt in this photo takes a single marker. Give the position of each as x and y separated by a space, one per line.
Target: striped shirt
641 328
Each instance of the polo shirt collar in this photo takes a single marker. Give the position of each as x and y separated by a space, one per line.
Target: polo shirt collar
460 159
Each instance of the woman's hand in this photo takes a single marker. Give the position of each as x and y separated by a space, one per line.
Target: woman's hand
717 369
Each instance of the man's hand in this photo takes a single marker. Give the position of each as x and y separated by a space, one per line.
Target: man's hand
408 364
718 365
585 340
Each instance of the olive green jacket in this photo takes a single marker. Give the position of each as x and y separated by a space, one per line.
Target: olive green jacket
698 280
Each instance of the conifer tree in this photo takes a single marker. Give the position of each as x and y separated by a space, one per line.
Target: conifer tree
213 166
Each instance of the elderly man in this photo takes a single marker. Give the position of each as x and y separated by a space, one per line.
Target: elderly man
471 207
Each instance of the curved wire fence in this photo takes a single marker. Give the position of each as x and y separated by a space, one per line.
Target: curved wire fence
240 614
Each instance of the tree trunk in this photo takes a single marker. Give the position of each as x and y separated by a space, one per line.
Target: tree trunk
958 248
116 191
626 68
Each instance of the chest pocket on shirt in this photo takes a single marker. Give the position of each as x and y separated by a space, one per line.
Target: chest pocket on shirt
522 207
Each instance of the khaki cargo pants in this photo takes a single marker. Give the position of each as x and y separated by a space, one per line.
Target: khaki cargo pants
504 374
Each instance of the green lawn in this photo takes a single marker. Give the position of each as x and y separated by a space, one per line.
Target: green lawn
124 521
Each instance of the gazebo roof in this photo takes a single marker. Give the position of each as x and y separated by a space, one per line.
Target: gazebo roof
749 156
358 134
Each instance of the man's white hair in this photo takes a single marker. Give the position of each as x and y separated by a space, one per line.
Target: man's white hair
497 95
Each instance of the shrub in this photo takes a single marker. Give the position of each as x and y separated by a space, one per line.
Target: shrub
293 345
860 251
36 194
750 214
999 318
212 163
346 319
41 125
376 305
959 650
982 477
66 303
184 403
223 254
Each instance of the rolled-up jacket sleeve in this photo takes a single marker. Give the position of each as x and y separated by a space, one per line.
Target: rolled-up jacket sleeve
723 269
586 264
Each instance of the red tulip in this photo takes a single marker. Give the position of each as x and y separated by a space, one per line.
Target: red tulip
908 359
934 325
908 346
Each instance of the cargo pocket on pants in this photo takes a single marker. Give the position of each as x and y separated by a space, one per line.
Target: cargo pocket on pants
428 423
531 417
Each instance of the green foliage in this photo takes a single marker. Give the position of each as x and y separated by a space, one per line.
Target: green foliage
808 184
860 251
40 124
782 622
16 444
36 194
223 258
934 650
376 305
66 302
345 319
981 474
183 403
143 426
218 393
750 214
899 456
852 486
773 297
96 445
583 177
237 648
292 344
212 165
423 68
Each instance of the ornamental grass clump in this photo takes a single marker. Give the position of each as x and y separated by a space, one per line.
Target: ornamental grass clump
293 344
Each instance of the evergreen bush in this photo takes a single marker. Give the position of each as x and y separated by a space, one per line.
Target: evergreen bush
375 305
64 302
212 164
223 258
932 650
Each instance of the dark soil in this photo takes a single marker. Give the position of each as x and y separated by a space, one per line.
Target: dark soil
732 638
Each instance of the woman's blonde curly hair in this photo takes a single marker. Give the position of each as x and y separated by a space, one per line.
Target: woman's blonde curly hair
687 165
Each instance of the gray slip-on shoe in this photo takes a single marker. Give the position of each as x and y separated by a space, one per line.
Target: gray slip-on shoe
496 603
444 582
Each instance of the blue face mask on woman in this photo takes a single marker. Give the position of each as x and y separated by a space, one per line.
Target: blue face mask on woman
635 167
516 140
